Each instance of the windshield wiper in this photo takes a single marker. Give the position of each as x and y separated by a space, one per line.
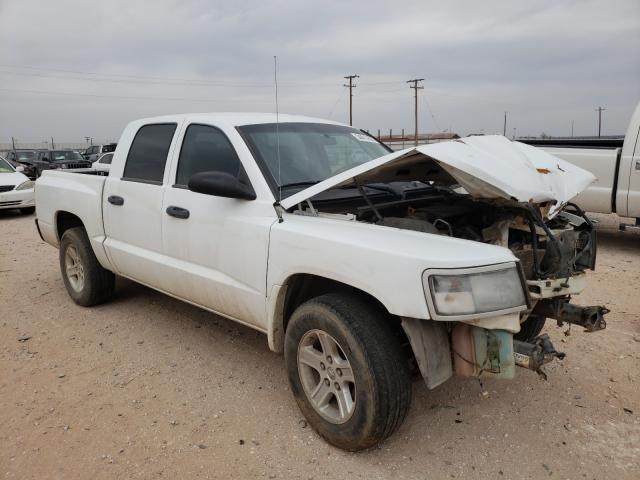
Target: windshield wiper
300 184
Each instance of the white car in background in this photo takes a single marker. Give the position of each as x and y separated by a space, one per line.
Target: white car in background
103 163
16 190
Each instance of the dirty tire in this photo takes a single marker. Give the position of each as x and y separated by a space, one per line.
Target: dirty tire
379 365
98 284
28 210
530 328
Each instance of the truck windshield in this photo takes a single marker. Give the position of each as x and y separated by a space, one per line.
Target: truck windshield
309 152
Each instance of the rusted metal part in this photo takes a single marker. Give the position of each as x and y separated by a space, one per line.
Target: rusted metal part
591 318
535 354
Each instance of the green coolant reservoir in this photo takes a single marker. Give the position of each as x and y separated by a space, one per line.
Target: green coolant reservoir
494 352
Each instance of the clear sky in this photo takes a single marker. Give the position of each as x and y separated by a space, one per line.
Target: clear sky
71 68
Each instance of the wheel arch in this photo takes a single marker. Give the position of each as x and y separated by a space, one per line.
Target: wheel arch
64 221
301 287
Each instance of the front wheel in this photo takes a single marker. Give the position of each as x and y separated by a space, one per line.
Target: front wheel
347 370
87 282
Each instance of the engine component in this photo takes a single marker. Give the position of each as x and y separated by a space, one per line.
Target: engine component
535 354
414 224
591 318
477 351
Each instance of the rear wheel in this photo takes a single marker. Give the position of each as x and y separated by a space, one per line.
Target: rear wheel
84 278
347 370
530 328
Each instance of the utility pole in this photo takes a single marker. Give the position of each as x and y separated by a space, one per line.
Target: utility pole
504 128
13 144
351 86
571 128
415 87
600 110
52 145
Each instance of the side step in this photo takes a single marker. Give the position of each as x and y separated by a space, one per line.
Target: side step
630 226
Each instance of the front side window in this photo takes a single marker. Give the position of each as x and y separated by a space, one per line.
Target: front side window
206 149
300 154
148 153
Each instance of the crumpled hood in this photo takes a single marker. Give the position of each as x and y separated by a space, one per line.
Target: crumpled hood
487 167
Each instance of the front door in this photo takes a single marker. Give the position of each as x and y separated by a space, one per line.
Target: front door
216 247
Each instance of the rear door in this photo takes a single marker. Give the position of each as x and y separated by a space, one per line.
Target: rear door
132 205
216 248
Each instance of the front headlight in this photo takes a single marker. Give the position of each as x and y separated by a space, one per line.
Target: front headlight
474 292
25 185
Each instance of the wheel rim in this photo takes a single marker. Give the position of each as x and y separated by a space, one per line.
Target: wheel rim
326 376
74 268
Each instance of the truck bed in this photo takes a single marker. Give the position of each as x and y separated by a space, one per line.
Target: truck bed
602 162
77 194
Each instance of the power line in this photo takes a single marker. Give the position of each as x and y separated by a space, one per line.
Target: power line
163 82
335 104
74 94
416 87
127 97
351 86
430 110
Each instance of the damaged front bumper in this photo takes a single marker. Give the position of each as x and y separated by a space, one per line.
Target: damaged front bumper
485 347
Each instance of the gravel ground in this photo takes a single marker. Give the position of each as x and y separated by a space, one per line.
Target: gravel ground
149 387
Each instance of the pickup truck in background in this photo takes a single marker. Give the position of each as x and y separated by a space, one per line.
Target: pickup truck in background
617 171
94 152
362 265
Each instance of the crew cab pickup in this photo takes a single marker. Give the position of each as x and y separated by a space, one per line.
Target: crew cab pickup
363 266
617 171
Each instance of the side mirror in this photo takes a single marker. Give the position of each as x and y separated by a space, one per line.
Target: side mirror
20 169
221 184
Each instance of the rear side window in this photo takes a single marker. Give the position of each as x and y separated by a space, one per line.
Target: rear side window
148 153
206 149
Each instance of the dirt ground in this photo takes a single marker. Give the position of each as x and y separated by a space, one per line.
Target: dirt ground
149 387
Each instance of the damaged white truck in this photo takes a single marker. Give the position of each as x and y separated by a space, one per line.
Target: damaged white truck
365 267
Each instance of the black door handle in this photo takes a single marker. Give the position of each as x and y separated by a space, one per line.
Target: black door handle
177 212
115 200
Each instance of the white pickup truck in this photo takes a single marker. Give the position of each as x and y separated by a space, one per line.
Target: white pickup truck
617 171
363 266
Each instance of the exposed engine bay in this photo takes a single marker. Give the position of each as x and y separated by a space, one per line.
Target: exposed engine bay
547 249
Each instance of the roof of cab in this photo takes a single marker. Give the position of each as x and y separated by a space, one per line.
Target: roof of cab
237 118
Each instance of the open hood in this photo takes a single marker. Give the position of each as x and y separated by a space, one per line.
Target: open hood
487 167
